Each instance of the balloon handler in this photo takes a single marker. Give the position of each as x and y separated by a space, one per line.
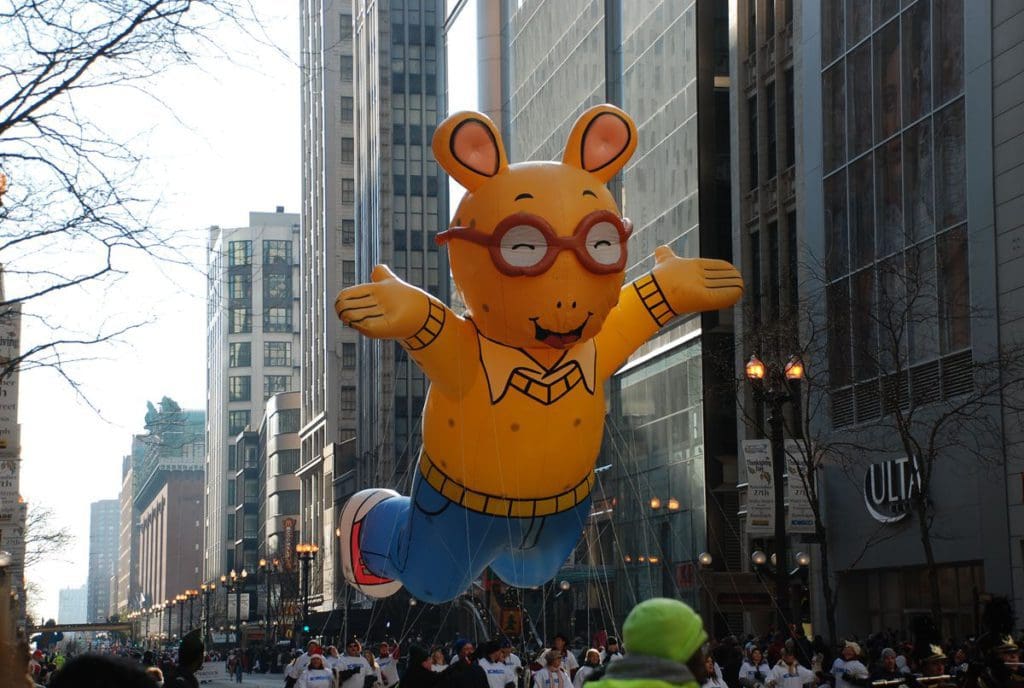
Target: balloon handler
513 419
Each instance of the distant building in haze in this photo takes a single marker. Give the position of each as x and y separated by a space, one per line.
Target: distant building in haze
104 517
71 606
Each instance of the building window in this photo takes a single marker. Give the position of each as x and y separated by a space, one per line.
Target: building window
347 149
348 191
237 422
276 384
346 68
287 461
239 388
751 26
345 26
772 141
774 278
287 422
277 353
284 503
398 134
755 277
398 184
346 108
277 287
239 320
277 252
790 120
239 354
240 286
752 138
348 273
348 399
348 355
239 253
277 319
348 232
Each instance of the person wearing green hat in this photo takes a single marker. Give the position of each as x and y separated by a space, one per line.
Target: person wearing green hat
664 638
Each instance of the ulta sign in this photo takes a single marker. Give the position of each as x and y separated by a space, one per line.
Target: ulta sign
888 487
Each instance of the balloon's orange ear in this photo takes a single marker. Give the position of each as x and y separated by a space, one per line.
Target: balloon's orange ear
468 146
602 140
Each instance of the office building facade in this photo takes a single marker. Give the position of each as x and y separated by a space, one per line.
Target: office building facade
371 195
896 184
666 64
252 354
104 516
328 361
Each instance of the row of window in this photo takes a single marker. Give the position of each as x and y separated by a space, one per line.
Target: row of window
418 134
274 354
276 286
413 84
771 143
275 319
240 388
275 252
415 185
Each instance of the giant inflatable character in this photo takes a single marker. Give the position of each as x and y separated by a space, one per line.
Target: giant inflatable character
513 419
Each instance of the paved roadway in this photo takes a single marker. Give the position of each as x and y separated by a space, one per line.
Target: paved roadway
252 680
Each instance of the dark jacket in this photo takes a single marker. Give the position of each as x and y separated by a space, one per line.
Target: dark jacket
418 677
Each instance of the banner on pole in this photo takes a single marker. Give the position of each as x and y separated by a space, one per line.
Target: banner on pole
757 455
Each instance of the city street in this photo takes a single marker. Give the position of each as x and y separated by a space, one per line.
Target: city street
260 680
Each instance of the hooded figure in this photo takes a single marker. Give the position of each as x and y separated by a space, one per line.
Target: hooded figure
664 638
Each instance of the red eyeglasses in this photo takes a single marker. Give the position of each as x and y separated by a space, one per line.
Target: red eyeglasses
524 244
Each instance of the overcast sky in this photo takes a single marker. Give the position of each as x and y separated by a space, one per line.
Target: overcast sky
231 145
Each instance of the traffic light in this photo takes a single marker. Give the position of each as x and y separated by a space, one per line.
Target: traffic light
305 628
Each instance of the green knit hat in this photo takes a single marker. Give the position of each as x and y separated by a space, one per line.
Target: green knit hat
663 628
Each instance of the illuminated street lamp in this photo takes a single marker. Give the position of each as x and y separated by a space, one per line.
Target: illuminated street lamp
307 553
771 384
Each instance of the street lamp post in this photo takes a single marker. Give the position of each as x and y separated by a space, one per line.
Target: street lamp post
307 553
237 583
180 603
771 384
207 591
267 568
191 594
168 606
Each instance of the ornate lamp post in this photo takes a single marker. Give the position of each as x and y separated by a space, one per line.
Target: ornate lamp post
771 384
267 568
191 594
179 602
237 581
207 590
168 606
306 553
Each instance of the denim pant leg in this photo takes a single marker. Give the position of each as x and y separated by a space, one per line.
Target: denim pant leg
543 546
434 546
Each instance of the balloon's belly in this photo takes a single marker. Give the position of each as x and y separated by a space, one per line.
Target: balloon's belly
516 448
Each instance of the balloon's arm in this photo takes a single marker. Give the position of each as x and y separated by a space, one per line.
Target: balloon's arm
675 286
435 337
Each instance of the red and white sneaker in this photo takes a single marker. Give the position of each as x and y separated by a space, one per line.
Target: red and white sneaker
350 527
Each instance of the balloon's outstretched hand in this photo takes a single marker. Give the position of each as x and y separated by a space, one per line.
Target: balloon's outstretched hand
385 308
696 284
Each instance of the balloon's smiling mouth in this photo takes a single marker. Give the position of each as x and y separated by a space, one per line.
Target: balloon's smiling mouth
558 340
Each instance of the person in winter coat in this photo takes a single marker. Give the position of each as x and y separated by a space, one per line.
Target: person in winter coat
712 674
664 638
316 675
848 670
789 673
420 673
552 675
754 670
591 663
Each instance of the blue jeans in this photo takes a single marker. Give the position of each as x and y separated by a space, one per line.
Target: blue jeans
436 547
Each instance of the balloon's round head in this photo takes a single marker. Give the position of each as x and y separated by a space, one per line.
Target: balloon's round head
537 249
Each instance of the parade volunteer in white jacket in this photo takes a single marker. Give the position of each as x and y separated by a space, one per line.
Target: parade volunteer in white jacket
848 670
552 675
315 675
788 673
